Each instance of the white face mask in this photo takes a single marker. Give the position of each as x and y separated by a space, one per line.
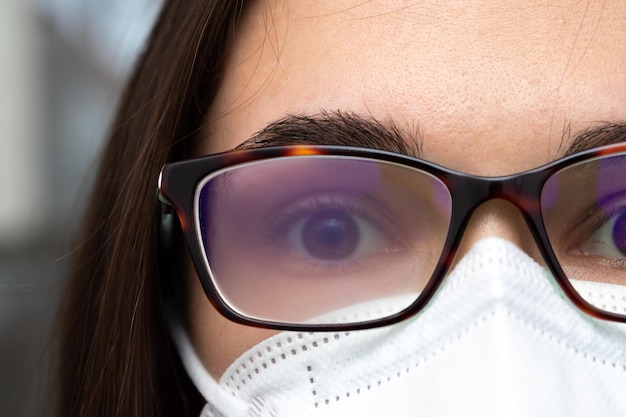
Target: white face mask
499 339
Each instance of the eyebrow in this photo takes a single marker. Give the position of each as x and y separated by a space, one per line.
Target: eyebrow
350 129
601 135
337 129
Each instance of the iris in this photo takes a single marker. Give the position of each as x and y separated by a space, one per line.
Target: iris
330 235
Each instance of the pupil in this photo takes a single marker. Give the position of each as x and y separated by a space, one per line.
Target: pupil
330 235
619 233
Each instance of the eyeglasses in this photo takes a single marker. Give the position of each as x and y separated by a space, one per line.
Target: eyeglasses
339 238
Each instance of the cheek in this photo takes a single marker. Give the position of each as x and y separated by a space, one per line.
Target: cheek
218 341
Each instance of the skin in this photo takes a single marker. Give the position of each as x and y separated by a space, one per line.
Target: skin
494 86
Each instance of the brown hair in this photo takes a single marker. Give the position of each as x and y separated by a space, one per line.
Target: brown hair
115 356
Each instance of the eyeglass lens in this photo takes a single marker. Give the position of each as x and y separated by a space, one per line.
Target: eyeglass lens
584 212
329 239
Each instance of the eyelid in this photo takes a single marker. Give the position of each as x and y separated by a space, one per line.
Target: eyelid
351 201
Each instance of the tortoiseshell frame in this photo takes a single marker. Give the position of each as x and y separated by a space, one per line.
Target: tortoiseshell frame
178 182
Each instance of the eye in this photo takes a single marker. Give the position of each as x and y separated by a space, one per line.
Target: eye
334 230
609 239
335 235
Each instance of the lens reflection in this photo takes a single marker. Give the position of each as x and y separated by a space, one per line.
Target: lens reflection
322 239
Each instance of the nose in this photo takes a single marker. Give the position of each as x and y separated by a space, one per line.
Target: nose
499 218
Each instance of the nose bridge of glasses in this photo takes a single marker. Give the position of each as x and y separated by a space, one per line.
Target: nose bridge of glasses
499 207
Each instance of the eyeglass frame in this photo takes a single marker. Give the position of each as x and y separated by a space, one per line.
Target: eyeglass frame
178 182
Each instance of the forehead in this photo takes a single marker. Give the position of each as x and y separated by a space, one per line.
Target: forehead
478 78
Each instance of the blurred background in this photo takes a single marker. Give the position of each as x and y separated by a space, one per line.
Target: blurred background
62 66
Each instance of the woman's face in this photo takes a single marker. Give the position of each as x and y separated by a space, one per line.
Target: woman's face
492 87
